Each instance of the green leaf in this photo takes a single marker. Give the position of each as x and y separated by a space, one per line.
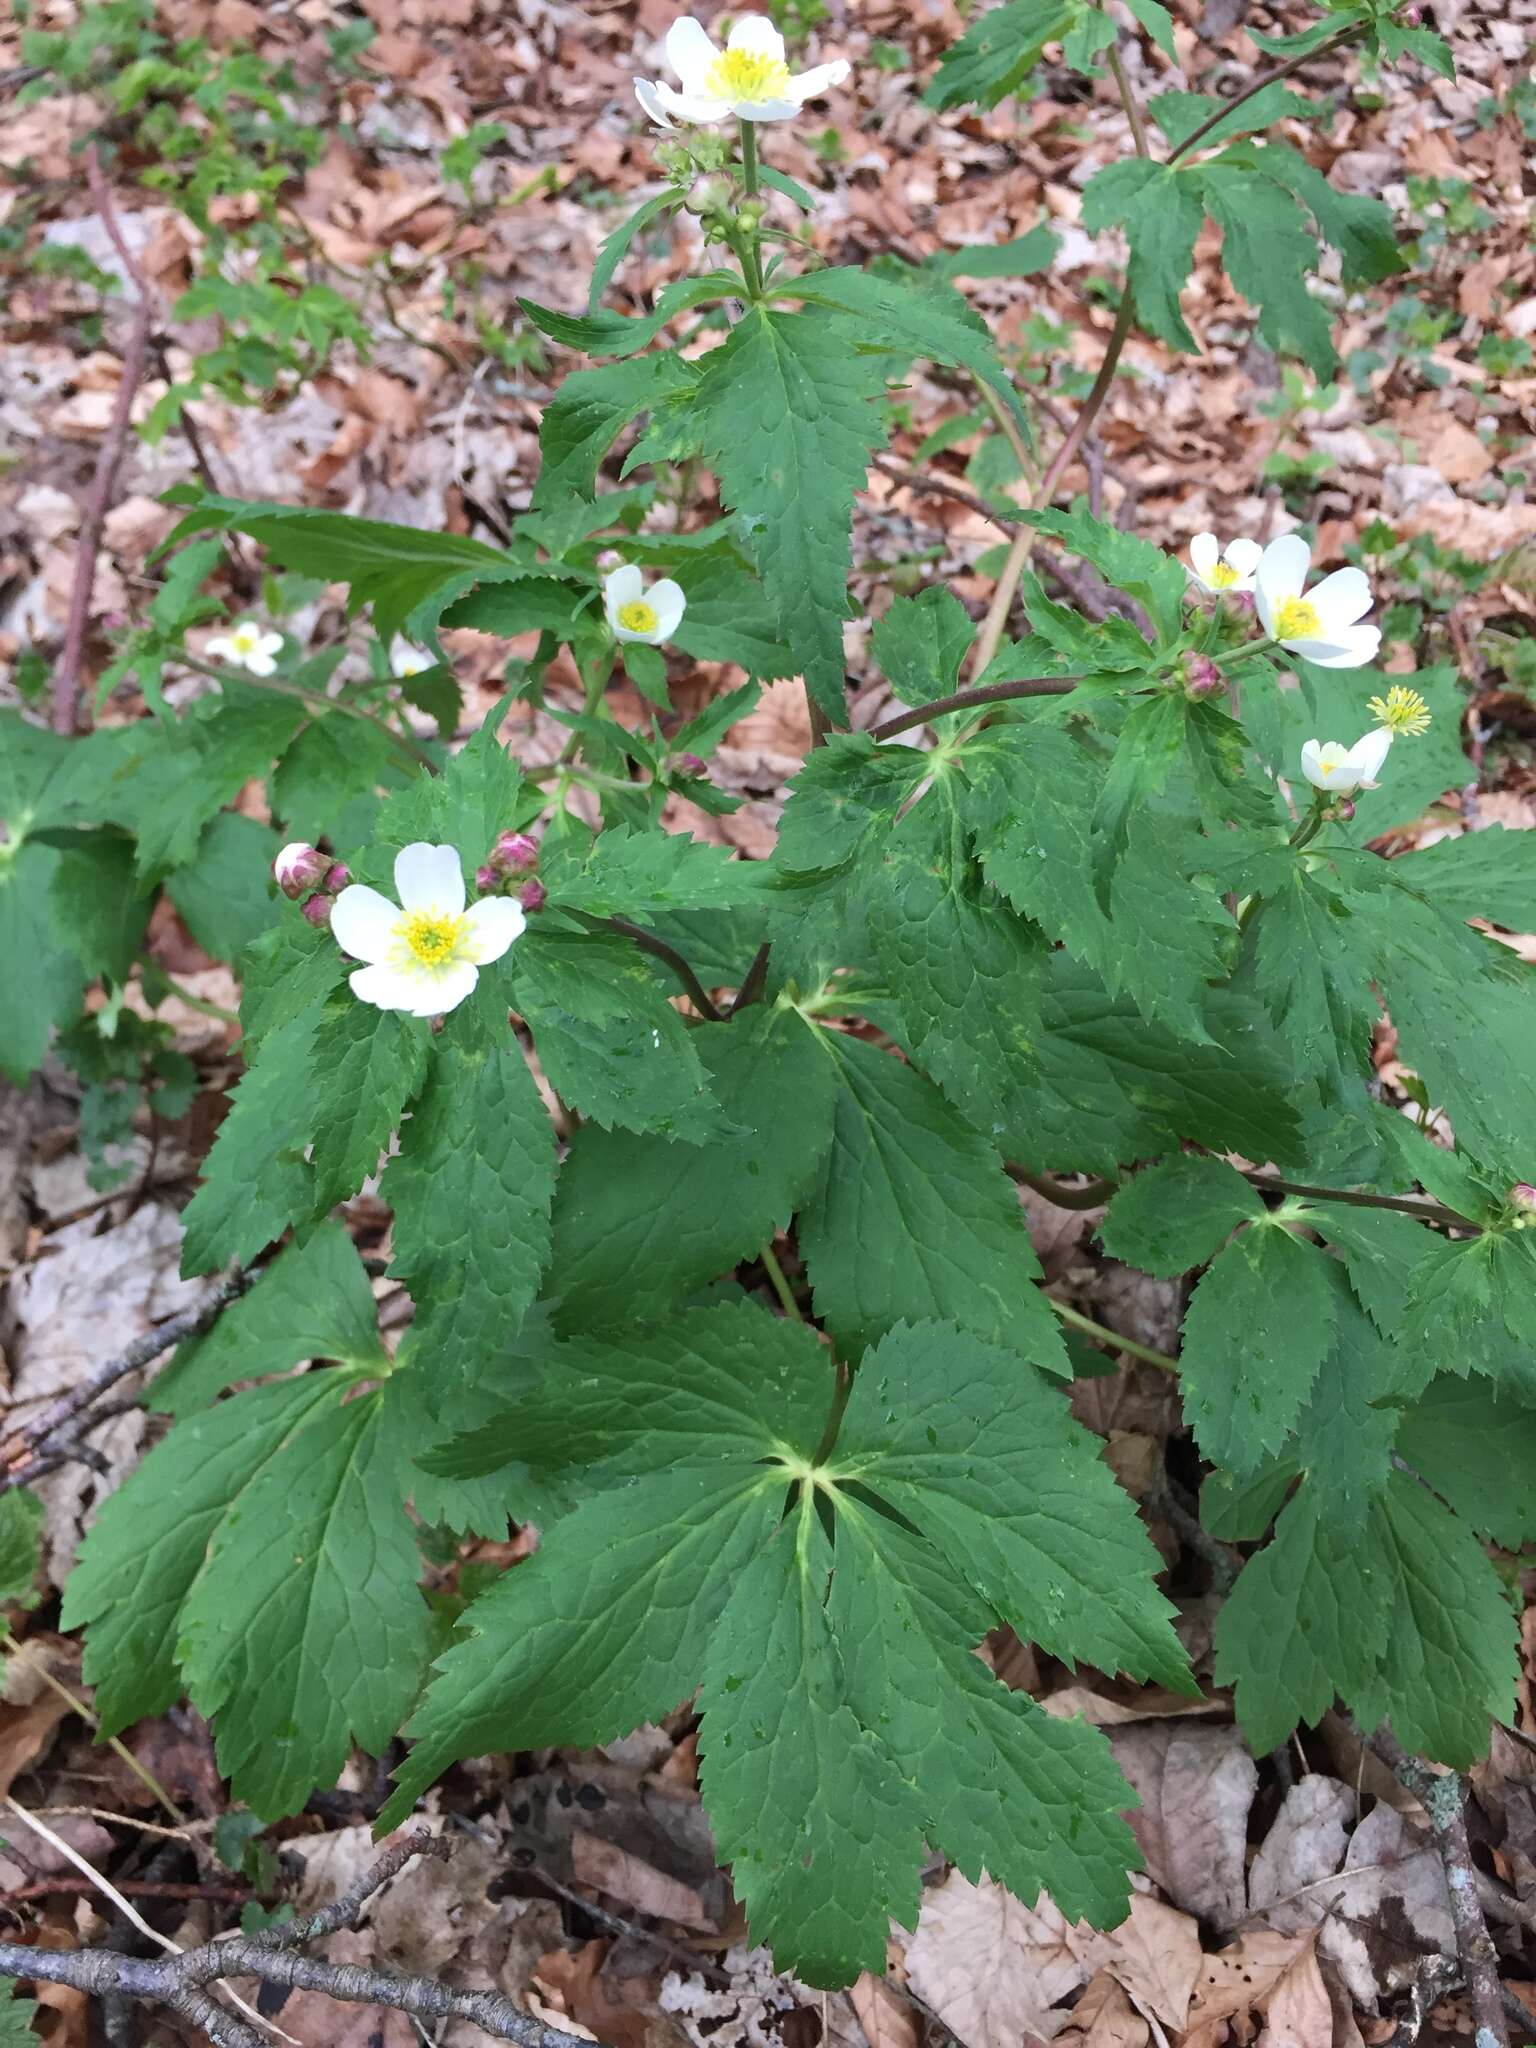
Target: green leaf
844 1717
1477 1448
313 1301
845 789
1360 228
617 334
1310 969
728 618
368 1064
509 606
998 51
1179 114
16 2017
920 643
1019 258
471 1187
97 906
645 874
1430 49
1269 253
640 1224
1380 1249
1259 1326
393 568
785 418
304 1631
21 1535
225 897
585 416
616 246
32 1004
1175 1216
150 1539
474 798
1155 579
285 974
788 186
1406 1620
1161 211
1489 874
914 1218
256 1180
1158 23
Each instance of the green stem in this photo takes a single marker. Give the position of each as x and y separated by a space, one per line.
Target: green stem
316 700
1198 135
1113 1338
989 693
749 158
1094 1196
592 697
840 1393
780 1283
751 260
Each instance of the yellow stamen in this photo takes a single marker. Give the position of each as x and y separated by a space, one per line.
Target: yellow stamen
245 638
637 616
1401 710
1223 575
1297 620
429 940
743 75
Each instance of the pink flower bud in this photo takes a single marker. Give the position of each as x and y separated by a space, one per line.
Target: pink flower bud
487 881
298 868
1523 1195
337 877
1202 678
1345 808
532 895
1411 16
514 853
317 911
688 764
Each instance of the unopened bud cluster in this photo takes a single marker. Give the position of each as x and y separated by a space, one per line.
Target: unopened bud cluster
1202 678
300 869
1522 1196
513 854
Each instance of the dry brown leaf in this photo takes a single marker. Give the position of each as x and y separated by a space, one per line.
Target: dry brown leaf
1196 1786
1155 1954
1105 2018
994 1970
1299 2013
1305 1845
636 1883
887 2019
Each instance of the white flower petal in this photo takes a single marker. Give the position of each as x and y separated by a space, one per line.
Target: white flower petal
1340 599
809 85
494 922
1280 575
429 877
436 994
756 33
1310 755
261 664
622 586
222 648
766 110
668 602
691 106
648 94
270 643
385 987
690 52
363 922
1367 755
1244 554
1204 554
1326 766
1349 647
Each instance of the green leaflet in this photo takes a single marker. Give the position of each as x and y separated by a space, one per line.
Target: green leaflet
1259 1326
16 2017
285 974
314 1301
785 420
1309 965
1405 1619
587 413
256 1180
97 906
303 1631
32 1004
913 1217
998 51
225 897
830 1663
920 643
640 1223
1177 1215
368 1065
1488 874
1477 1448
149 1542
640 874
471 1187
615 334
1156 580
21 1531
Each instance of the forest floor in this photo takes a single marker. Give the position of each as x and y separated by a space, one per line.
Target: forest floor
1292 1900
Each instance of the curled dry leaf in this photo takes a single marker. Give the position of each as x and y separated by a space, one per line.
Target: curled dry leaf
996 1971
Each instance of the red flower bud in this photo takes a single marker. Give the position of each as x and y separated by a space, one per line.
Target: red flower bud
317 911
487 881
532 895
688 764
337 877
1202 678
1523 1195
298 868
1344 809
514 853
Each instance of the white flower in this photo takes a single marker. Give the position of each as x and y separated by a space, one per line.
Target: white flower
1219 568
247 647
425 953
1320 627
299 868
406 660
637 614
748 78
1341 770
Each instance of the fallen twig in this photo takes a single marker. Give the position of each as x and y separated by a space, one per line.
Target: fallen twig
181 1981
66 674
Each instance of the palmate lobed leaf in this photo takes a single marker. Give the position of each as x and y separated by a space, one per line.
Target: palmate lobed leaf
829 1664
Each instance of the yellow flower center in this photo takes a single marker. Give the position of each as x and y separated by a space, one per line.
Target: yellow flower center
1297 620
431 940
1223 575
1401 710
244 638
637 616
743 75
